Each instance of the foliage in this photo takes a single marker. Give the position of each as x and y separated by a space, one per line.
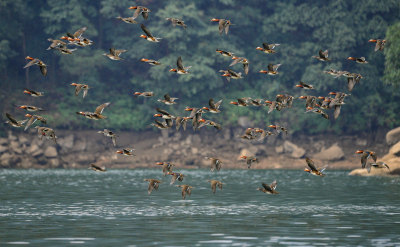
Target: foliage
301 27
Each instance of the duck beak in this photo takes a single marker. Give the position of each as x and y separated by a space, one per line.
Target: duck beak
263 71
259 48
359 152
133 7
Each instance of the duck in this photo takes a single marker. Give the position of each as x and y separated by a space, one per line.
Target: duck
181 70
32 119
186 190
278 128
285 99
153 184
223 25
144 94
263 133
322 56
249 160
257 102
78 34
272 69
352 80
215 163
176 176
176 21
126 152
268 188
38 62
56 43
49 133
160 125
304 85
114 54
167 100
163 114
97 114
358 59
268 48
318 111
148 35
240 102
312 169
181 121
273 105
337 102
166 167
140 10
225 53
204 122
242 60
213 107
13 122
97 168
230 74
30 108
365 155
336 73
195 115
150 61
129 20
33 93
214 184
377 165
249 134
311 101
79 87
110 134
380 44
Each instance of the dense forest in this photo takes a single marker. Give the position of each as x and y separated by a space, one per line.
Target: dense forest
302 28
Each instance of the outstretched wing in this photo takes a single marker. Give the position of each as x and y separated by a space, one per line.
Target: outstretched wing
101 107
310 164
145 30
179 63
79 33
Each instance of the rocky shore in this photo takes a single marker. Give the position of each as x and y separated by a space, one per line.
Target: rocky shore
77 149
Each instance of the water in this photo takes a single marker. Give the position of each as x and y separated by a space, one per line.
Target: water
86 208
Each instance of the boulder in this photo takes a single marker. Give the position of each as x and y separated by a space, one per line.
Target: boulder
3 149
23 140
66 142
14 145
393 136
3 141
32 149
54 163
279 149
332 153
80 145
293 150
395 150
50 152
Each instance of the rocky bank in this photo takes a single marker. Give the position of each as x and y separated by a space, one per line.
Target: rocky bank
77 149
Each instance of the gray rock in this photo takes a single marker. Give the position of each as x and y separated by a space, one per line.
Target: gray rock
66 142
50 152
3 141
11 137
54 163
14 145
332 153
32 149
279 149
6 159
80 145
395 149
393 136
23 140
3 149
293 150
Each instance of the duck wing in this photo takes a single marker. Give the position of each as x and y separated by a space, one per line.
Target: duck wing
145 30
101 107
310 164
13 120
79 33
179 63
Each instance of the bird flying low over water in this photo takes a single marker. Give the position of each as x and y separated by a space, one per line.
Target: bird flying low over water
215 163
214 184
38 62
176 176
153 184
366 154
46 132
166 167
377 165
97 114
249 160
312 169
269 188
148 35
186 190
97 168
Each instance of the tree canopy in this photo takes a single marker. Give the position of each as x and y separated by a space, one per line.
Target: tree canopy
302 28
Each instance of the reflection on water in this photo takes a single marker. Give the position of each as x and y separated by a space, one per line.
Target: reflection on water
82 207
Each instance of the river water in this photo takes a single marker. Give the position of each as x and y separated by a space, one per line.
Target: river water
87 208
